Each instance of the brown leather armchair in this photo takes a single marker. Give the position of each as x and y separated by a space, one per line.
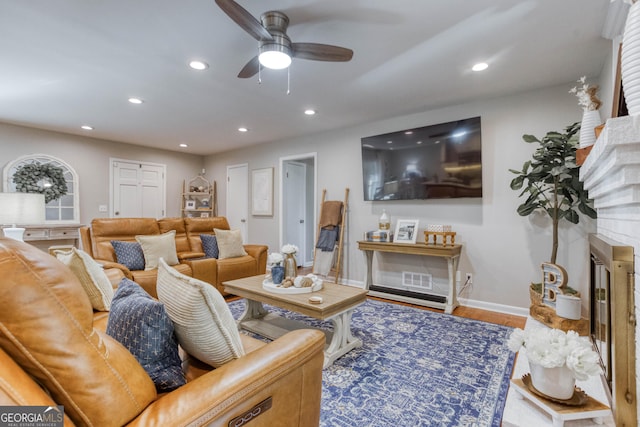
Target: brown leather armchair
52 352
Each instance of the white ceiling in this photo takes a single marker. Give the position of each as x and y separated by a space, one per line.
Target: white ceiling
65 63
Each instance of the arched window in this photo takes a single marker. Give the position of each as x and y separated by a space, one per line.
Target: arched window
63 210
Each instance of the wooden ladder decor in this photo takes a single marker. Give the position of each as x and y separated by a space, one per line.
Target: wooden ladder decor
337 264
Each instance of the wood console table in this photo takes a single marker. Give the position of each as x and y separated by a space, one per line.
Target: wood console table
450 253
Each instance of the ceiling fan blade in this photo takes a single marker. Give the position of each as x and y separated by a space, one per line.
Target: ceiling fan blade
244 19
250 69
321 52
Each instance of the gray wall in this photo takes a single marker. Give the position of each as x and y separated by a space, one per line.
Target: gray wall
501 249
90 159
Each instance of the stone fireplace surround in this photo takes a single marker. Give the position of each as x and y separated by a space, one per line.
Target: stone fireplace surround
611 174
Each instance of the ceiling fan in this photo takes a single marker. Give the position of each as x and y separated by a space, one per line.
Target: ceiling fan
276 49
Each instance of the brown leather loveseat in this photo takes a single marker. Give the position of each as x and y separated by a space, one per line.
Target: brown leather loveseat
96 241
52 352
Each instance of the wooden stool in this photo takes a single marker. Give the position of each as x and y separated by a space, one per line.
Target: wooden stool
445 235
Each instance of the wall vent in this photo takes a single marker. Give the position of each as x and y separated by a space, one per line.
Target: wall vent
417 281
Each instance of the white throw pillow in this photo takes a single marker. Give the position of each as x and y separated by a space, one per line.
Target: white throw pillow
229 243
91 275
201 318
156 247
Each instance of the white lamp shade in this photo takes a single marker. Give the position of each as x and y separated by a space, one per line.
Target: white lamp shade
21 208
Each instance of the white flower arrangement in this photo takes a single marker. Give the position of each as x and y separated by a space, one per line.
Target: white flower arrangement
274 258
289 249
553 348
587 95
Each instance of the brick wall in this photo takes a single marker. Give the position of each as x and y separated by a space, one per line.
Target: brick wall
611 173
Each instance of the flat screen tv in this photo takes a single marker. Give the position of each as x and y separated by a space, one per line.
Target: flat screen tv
432 162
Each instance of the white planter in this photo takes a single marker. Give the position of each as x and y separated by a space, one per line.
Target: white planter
568 306
558 383
630 60
590 119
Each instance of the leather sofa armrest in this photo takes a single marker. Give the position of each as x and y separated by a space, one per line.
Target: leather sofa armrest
288 371
259 252
110 264
205 269
182 256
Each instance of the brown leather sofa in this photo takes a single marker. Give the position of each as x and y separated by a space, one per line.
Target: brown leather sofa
53 351
96 241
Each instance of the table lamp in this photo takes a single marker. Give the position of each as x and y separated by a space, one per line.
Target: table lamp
20 208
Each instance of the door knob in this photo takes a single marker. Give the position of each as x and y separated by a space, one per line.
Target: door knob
302 221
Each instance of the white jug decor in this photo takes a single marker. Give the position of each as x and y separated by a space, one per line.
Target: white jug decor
590 119
384 223
630 60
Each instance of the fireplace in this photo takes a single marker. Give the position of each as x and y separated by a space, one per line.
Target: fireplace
613 323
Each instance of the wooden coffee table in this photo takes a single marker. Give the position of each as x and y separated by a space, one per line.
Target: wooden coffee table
338 304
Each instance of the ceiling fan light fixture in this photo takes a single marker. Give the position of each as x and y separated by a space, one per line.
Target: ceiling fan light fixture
275 56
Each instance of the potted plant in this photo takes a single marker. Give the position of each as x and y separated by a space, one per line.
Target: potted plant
556 359
550 181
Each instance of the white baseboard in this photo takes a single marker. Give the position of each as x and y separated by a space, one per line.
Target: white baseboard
482 305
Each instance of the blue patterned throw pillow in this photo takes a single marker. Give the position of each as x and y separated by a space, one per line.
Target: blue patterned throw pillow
210 245
142 325
129 254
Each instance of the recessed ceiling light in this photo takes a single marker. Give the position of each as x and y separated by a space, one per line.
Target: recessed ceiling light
480 66
309 112
198 65
136 100
419 142
87 127
409 132
183 145
389 142
243 130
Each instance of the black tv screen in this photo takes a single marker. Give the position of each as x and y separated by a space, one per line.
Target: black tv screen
432 162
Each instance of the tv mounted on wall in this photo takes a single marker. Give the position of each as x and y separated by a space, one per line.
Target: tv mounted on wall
431 162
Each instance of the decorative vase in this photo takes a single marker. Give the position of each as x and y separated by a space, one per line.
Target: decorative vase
290 266
630 60
590 120
558 383
277 274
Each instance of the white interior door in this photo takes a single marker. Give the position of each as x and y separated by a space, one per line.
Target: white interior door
138 189
238 198
294 207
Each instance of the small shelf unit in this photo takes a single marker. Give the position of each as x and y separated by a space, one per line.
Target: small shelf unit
198 198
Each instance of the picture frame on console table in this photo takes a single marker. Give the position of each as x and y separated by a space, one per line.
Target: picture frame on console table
406 231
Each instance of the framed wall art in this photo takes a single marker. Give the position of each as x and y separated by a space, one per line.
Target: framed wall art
262 192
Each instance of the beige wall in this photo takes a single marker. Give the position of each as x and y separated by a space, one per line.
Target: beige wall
90 159
501 249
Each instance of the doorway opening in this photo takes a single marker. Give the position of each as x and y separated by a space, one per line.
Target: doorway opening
298 204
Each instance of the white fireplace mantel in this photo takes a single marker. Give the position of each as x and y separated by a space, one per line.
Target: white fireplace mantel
611 172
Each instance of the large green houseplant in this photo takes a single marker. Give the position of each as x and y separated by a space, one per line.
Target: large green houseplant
550 181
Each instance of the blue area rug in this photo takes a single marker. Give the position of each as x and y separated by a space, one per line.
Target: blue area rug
415 368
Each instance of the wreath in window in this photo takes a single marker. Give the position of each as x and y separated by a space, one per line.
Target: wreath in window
46 179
